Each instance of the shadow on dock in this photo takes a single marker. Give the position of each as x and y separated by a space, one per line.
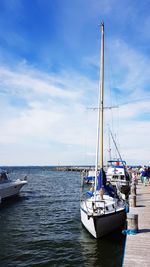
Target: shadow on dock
144 231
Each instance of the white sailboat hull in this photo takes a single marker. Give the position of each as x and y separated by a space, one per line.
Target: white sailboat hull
11 188
101 225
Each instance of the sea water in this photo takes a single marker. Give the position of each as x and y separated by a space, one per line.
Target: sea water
42 226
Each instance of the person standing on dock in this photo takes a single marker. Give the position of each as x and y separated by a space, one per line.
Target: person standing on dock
144 176
134 177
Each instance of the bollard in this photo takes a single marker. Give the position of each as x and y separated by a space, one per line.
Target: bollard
132 200
133 189
132 223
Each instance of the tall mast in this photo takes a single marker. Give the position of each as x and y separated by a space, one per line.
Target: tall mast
101 108
109 150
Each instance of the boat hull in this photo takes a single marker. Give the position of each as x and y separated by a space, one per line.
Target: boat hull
10 189
101 225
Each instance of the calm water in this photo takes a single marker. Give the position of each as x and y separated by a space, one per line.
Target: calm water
42 227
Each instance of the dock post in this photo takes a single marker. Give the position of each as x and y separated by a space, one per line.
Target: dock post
132 197
133 189
132 223
132 200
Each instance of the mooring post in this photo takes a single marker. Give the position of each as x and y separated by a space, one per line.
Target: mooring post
132 223
132 200
132 197
133 189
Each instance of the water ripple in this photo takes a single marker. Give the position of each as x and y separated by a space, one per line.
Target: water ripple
42 227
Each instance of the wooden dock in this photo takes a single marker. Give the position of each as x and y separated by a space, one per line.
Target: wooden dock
137 250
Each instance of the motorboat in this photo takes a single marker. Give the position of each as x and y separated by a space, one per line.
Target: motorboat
118 176
88 177
8 187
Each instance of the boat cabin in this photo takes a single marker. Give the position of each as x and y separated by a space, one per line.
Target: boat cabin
117 170
3 177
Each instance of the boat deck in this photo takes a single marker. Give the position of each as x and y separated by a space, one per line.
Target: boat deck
137 250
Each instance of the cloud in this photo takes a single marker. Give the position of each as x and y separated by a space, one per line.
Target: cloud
51 110
52 113
44 115
26 83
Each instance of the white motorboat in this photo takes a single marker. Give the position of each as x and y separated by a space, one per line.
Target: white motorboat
102 210
117 172
8 187
118 175
88 177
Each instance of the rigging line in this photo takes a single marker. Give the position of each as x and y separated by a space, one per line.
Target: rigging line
116 145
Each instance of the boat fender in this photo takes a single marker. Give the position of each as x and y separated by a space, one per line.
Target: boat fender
130 232
127 208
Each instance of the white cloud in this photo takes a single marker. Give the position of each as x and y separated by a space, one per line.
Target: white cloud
53 113
131 68
51 123
25 84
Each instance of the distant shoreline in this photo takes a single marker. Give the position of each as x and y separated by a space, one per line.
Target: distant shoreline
75 168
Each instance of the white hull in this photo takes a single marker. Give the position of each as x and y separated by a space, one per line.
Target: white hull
11 188
102 224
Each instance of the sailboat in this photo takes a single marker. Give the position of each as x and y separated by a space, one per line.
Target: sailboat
102 210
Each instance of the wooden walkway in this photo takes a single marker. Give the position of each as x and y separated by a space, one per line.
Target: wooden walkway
137 250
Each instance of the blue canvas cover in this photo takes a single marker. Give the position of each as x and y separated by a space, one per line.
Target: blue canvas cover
101 179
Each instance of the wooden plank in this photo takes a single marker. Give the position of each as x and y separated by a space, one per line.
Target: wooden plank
137 249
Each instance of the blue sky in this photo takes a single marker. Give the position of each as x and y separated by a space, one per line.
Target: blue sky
49 78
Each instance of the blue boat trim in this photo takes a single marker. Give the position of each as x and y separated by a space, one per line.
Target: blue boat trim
83 210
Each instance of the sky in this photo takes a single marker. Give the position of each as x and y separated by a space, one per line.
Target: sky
49 80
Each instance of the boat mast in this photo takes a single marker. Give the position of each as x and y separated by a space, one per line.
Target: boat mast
101 108
109 149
